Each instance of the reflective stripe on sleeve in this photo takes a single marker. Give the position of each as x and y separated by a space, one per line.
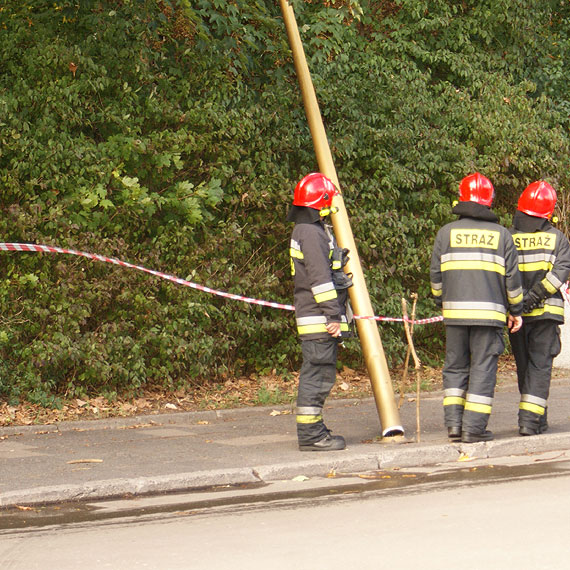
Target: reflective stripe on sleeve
324 292
515 296
295 250
436 289
551 283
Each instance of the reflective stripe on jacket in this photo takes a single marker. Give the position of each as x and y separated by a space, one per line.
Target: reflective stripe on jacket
474 273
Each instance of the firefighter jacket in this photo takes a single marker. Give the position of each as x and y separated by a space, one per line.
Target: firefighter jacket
544 264
316 298
474 272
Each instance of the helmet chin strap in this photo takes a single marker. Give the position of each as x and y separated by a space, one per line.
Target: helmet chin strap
326 211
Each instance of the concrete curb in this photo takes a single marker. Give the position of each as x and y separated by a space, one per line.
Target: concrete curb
404 456
112 488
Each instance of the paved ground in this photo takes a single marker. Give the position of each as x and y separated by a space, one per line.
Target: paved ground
186 451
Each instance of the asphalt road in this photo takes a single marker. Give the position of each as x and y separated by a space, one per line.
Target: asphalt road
510 513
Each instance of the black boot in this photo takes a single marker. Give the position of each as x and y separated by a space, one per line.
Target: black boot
454 432
467 437
328 443
526 430
543 422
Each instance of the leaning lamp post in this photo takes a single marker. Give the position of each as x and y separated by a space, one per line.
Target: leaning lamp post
366 325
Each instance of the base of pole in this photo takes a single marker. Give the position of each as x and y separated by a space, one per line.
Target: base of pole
393 431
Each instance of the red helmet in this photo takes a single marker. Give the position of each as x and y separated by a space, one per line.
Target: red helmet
476 188
314 191
538 199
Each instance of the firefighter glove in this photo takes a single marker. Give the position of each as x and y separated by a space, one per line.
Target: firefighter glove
534 297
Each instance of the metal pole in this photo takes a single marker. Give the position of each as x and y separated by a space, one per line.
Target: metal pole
367 328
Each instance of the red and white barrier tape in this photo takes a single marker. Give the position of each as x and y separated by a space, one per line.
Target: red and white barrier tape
565 292
33 248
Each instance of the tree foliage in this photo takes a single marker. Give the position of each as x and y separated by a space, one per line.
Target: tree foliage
171 134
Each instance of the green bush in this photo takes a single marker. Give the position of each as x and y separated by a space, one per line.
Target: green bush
170 134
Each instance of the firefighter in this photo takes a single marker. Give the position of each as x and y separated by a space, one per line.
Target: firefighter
475 280
320 284
544 263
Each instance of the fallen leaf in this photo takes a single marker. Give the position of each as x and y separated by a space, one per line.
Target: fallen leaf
300 478
74 461
275 413
344 386
203 423
465 457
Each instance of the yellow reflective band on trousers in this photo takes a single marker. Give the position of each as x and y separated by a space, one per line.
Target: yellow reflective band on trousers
479 408
534 408
453 401
309 419
474 314
477 265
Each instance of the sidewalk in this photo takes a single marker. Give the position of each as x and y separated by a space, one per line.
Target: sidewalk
190 451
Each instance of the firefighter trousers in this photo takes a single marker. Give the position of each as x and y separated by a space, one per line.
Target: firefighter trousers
470 374
316 379
534 347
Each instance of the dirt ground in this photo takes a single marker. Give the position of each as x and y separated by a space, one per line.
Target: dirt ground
271 390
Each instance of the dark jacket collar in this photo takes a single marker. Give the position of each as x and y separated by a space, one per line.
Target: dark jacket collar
474 210
530 224
303 215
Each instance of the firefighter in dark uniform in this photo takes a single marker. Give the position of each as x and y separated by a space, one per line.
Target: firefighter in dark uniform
320 307
475 279
544 263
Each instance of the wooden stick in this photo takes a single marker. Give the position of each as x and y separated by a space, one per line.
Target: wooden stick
408 351
417 362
